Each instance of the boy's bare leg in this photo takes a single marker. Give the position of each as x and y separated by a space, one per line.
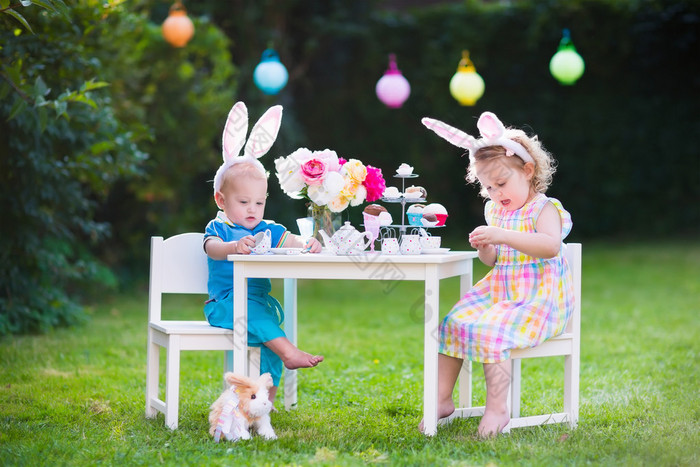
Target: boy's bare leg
448 372
496 415
291 356
272 393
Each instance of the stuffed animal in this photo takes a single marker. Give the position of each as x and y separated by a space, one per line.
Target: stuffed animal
245 405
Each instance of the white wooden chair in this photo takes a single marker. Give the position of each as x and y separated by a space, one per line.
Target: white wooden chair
179 266
567 344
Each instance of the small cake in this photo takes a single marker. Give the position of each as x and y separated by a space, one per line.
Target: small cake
430 217
435 208
392 192
415 192
438 210
415 209
404 169
374 209
385 218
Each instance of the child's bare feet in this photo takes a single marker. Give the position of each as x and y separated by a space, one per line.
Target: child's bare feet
291 356
301 359
445 409
492 423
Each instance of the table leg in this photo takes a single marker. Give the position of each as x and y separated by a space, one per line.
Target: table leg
430 349
240 319
465 374
290 329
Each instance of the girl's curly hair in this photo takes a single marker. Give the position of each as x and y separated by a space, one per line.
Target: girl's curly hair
545 165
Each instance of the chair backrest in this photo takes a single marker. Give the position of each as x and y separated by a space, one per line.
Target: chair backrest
573 257
178 265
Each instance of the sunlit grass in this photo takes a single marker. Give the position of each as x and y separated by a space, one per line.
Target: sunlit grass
76 396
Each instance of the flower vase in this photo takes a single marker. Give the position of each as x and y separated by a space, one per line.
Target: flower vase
324 219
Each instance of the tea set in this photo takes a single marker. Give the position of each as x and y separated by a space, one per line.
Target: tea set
349 241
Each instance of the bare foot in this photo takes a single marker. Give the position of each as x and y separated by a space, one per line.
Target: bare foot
445 409
492 424
301 359
292 357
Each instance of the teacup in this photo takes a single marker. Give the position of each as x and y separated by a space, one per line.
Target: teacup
390 246
410 245
430 242
263 242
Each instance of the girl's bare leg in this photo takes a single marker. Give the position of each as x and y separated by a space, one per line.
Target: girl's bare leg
496 415
448 372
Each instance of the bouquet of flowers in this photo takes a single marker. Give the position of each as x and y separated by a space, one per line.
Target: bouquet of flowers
328 180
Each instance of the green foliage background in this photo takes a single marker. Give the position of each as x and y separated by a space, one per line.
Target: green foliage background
108 135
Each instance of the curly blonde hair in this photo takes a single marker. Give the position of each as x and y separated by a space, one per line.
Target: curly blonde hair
545 165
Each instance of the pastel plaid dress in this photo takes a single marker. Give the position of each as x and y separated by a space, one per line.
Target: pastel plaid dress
520 303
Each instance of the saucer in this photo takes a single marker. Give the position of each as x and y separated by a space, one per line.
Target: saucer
434 251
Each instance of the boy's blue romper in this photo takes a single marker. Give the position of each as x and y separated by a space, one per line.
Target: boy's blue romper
265 314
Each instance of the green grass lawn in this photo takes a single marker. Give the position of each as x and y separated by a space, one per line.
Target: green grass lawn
76 396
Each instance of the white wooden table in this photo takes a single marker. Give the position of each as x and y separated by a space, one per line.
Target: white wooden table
429 269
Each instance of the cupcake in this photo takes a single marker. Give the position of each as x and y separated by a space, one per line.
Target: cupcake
415 209
380 212
415 192
415 214
391 192
374 209
404 169
439 211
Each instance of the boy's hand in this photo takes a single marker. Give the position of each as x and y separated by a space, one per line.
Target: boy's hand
244 245
313 245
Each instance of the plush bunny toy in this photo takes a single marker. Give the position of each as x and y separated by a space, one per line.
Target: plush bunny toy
262 136
244 405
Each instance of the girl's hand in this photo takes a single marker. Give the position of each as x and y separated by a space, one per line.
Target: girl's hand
244 245
313 245
484 236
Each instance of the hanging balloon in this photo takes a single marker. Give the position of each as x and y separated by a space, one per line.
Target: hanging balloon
566 65
270 75
392 88
466 85
177 29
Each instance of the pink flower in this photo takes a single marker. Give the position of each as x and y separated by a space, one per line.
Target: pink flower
313 171
374 183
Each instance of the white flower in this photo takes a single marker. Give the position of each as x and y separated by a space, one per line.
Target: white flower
359 197
333 183
330 189
338 204
289 175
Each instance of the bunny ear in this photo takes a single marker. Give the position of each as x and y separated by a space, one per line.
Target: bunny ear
235 131
237 380
265 380
490 126
264 133
450 133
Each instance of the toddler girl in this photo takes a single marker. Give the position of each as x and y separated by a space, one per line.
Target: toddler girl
528 295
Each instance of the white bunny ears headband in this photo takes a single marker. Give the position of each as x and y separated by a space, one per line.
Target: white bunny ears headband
492 134
262 136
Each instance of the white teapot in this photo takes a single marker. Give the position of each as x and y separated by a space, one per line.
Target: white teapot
347 240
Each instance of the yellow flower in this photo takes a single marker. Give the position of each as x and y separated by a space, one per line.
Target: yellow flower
355 170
